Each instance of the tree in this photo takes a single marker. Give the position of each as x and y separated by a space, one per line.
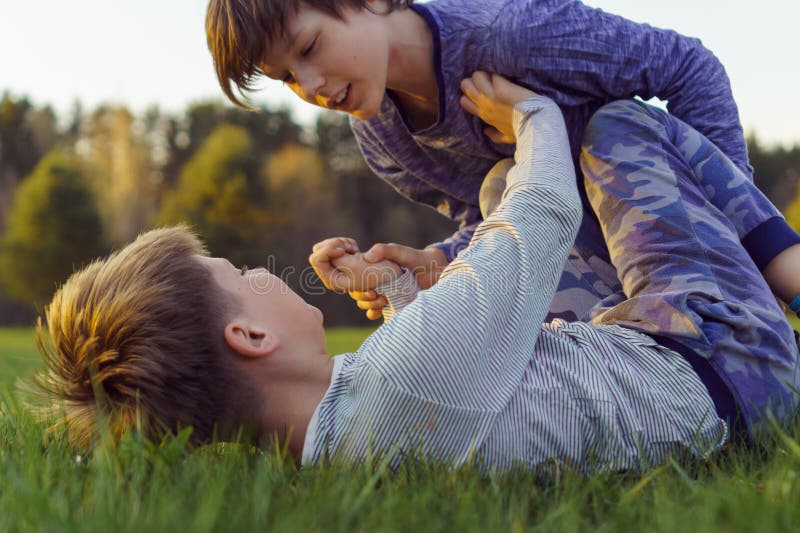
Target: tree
792 211
219 193
776 170
269 130
26 133
53 228
120 163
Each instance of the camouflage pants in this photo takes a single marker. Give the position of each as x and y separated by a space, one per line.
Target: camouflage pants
672 210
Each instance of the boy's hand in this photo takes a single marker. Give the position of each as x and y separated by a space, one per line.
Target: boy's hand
426 266
340 266
326 251
492 98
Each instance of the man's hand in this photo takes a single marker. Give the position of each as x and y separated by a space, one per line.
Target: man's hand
340 266
426 266
492 98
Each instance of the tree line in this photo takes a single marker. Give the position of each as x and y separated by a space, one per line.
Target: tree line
259 189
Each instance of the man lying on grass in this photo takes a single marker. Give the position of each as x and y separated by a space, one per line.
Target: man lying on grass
464 372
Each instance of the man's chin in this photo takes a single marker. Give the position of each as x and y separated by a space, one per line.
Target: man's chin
317 313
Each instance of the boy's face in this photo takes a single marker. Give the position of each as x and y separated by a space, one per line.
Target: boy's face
268 304
334 63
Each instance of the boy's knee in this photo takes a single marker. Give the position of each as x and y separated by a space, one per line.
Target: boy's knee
621 130
619 120
493 187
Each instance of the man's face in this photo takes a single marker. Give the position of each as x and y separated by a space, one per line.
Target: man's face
268 303
334 63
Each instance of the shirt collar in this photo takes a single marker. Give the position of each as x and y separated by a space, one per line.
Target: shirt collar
311 430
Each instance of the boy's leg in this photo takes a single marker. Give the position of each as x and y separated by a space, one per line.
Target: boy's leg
581 288
673 231
582 284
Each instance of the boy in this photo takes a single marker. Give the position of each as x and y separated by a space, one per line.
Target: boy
492 386
396 69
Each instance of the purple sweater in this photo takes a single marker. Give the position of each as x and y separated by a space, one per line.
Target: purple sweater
581 57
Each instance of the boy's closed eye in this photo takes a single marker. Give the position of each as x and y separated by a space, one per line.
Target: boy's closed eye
288 79
308 48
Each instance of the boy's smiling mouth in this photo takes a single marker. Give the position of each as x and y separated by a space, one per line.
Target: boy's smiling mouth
340 99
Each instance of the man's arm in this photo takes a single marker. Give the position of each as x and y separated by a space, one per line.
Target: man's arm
467 341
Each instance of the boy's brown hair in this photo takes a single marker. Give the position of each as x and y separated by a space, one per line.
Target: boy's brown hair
239 31
136 340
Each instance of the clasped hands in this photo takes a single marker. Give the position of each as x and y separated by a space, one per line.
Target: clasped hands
343 267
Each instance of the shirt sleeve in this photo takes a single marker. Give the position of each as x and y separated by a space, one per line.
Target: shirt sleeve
576 54
398 293
467 341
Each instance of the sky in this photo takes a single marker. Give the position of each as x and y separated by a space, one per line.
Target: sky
146 52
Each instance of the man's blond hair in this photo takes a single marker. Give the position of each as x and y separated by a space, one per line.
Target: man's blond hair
136 341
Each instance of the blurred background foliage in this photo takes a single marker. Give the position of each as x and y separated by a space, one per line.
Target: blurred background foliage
260 190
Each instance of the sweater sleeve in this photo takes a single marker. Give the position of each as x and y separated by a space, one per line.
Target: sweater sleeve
577 54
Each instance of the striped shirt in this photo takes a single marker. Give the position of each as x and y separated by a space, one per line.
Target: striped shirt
465 372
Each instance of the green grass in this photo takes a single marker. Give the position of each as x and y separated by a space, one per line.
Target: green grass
45 485
18 355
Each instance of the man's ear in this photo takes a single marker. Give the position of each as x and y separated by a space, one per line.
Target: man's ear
250 341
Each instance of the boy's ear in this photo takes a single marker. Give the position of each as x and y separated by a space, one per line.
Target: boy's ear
250 341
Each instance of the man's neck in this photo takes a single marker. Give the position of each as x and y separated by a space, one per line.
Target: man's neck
412 74
289 404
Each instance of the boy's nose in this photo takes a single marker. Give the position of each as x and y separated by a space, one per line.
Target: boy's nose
310 83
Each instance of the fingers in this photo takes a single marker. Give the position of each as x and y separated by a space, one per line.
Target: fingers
374 314
500 82
478 86
402 255
348 244
469 89
496 137
367 305
324 255
483 83
468 106
508 92
371 302
366 300
363 295
324 252
320 261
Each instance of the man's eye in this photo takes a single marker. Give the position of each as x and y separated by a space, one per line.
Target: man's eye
243 270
